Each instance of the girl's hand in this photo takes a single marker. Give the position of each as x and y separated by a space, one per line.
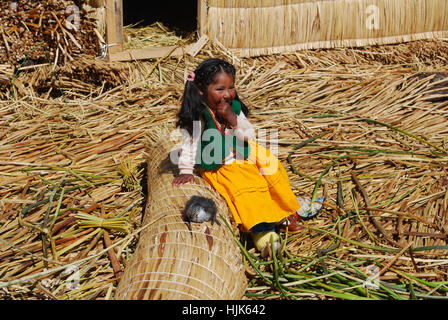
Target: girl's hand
224 109
183 178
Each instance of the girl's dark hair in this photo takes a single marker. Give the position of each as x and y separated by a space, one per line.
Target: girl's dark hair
192 100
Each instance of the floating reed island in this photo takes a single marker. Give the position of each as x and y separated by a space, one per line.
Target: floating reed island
364 126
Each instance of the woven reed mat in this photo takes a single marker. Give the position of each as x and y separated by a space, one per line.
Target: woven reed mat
172 262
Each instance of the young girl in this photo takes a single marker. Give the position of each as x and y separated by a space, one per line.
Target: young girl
219 138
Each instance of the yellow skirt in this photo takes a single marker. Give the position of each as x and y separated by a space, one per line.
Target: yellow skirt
256 190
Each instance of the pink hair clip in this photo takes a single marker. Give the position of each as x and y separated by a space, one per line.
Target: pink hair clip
191 76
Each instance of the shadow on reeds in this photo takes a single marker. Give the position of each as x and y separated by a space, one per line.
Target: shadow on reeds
144 187
437 89
166 166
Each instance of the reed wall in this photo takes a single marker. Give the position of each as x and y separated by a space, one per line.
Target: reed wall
257 27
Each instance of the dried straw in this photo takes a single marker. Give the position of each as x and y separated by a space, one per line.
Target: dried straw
62 155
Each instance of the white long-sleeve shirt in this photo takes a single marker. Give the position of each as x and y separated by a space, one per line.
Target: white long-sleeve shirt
244 130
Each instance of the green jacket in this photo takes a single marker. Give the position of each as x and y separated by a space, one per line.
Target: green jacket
215 146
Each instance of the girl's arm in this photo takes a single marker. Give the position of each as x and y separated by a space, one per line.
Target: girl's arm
187 156
242 128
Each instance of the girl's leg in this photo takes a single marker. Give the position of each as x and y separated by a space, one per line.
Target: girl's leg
279 187
247 194
275 176
262 234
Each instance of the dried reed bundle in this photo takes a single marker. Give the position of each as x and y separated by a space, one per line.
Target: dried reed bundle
171 261
40 29
89 221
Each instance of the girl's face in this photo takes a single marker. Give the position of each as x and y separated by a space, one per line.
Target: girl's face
221 90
